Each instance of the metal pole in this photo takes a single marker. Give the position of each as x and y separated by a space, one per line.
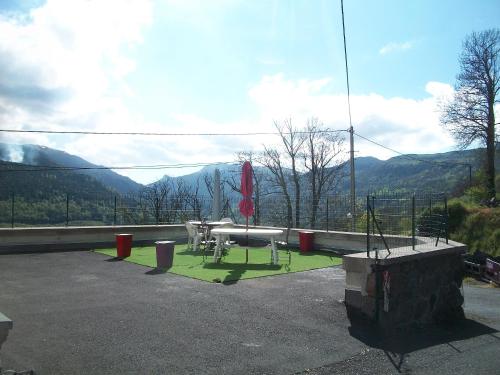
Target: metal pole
12 211
114 216
67 209
413 239
446 218
353 182
327 214
368 226
374 216
377 286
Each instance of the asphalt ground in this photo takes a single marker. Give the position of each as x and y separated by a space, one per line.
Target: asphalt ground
83 313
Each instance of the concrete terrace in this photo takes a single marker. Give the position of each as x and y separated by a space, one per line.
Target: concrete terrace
79 312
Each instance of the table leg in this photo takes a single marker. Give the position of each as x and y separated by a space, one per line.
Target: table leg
218 247
274 251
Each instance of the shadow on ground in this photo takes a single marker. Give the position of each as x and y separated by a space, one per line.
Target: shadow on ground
399 345
157 271
236 270
242 266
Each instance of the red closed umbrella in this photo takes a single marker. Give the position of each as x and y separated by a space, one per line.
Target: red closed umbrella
246 204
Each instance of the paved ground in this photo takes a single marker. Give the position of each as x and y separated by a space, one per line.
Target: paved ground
80 313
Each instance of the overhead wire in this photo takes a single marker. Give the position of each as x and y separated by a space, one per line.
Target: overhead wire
346 66
39 168
46 168
81 132
187 165
409 156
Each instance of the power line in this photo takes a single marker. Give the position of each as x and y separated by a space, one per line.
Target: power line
81 132
44 168
409 156
351 129
38 168
346 65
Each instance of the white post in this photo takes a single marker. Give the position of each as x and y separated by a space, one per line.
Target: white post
216 198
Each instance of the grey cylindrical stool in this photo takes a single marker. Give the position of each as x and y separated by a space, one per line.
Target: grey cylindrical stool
164 254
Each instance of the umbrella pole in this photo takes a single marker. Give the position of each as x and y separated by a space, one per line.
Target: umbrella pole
246 252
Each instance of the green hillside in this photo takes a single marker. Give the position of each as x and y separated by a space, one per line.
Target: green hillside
45 197
445 172
45 156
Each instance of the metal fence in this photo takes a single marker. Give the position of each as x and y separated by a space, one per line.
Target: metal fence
401 222
329 213
391 221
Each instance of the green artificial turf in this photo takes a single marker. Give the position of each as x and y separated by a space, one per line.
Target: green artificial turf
232 266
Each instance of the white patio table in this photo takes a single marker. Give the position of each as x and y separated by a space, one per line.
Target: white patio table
207 227
271 233
210 223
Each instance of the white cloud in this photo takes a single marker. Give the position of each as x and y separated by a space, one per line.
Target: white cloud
395 47
439 90
404 124
65 67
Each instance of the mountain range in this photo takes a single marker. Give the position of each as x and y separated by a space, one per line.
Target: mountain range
443 172
34 155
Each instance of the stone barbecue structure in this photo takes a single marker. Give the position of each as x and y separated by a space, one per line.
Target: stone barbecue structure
406 288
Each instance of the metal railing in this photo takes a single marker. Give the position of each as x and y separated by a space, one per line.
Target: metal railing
397 219
400 222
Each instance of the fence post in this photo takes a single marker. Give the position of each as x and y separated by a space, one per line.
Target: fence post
446 218
12 211
327 216
114 215
374 216
67 209
377 287
368 226
413 239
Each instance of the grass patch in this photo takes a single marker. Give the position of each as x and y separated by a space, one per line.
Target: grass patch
232 266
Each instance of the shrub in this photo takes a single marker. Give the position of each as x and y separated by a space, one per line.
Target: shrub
457 213
480 230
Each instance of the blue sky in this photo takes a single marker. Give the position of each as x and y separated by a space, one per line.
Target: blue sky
228 66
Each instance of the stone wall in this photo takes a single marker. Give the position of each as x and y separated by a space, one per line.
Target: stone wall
413 289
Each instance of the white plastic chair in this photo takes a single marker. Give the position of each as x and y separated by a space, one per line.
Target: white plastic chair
226 240
194 237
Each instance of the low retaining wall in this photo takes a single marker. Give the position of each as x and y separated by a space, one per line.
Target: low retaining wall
344 242
407 288
67 238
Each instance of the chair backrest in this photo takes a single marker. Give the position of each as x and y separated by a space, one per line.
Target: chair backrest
191 229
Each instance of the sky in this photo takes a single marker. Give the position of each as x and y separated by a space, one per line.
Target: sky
228 66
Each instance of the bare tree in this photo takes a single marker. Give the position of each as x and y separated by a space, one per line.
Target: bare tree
279 177
322 161
470 115
209 183
153 198
292 140
194 199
